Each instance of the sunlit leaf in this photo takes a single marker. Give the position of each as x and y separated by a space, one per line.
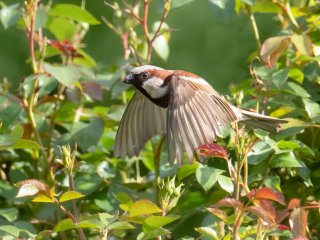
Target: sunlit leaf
107 218
226 183
268 193
186 170
70 195
159 221
207 176
161 47
267 206
73 12
66 75
9 15
42 198
120 225
272 48
265 6
22 144
27 190
298 90
296 74
208 232
302 43
143 207
12 230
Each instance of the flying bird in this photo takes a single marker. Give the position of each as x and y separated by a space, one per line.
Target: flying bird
182 105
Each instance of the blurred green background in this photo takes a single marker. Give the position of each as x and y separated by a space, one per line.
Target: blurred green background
202 42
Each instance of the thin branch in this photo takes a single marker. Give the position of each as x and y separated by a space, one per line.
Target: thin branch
254 26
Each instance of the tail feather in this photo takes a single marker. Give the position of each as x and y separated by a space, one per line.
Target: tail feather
257 120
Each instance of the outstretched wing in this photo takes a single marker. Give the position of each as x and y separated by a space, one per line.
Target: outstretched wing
141 120
196 114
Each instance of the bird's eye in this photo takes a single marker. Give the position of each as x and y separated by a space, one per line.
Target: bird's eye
144 76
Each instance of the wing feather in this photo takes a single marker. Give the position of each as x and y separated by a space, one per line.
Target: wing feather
196 115
141 120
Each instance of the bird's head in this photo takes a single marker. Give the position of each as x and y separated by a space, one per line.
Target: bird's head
153 80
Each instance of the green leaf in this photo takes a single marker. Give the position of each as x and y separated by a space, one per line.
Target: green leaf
296 74
286 160
41 18
159 221
288 145
12 230
22 144
66 75
64 225
120 225
70 195
73 12
11 138
225 183
107 218
313 109
265 6
260 152
153 234
92 223
186 170
63 29
143 207
10 214
279 77
302 43
87 135
207 176
208 233
223 9
161 47
179 3
298 90
9 15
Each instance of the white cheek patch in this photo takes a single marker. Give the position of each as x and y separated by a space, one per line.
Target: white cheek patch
154 88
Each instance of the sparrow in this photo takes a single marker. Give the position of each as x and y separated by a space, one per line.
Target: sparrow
184 107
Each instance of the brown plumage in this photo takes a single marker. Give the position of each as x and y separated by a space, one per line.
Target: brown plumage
182 105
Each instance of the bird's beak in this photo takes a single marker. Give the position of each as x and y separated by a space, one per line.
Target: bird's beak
129 78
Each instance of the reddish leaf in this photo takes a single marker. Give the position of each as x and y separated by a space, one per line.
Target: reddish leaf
38 184
294 203
66 48
281 215
268 207
298 222
217 212
272 48
212 150
261 213
283 227
252 194
229 202
268 193
300 238
94 90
